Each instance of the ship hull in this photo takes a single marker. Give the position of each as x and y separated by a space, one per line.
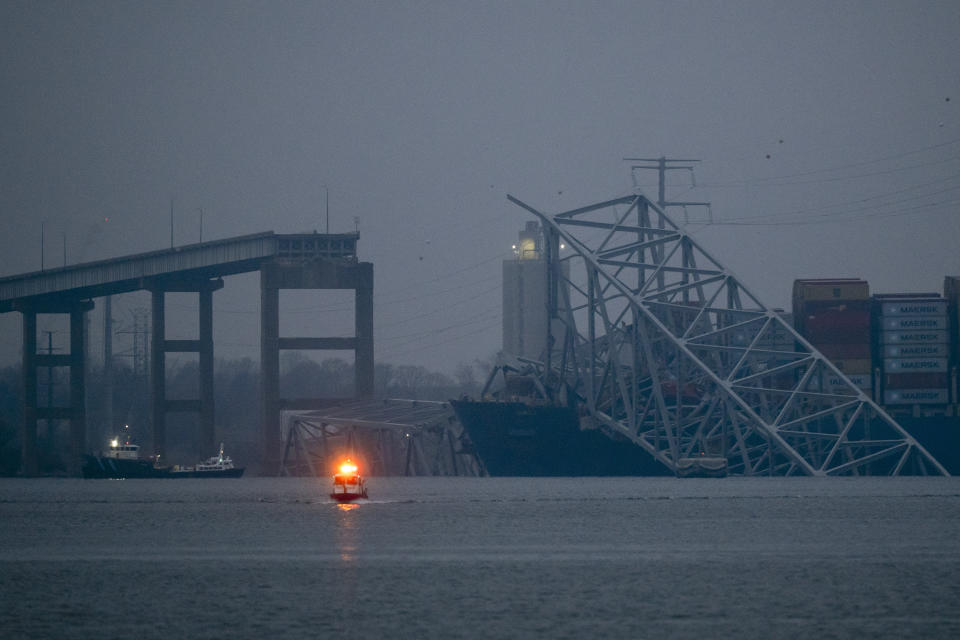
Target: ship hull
939 435
218 473
104 467
348 497
515 439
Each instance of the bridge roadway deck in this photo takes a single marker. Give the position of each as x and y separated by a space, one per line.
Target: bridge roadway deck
196 261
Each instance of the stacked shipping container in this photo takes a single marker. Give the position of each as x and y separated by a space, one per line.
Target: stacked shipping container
911 348
901 349
775 338
951 291
834 316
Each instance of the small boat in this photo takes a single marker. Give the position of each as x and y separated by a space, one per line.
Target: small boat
218 466
348 483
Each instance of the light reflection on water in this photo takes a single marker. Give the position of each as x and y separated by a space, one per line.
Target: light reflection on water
345 532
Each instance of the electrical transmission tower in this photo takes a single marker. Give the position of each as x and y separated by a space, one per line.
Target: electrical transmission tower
139 350
662 344
661 165
141 342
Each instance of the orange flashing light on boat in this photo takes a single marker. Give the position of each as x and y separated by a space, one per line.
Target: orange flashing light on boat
347 483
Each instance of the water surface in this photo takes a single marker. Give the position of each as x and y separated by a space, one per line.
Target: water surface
481 558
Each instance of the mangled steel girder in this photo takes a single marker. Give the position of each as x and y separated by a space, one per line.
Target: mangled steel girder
664 345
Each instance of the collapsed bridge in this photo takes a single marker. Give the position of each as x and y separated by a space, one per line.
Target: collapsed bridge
653 339
391 437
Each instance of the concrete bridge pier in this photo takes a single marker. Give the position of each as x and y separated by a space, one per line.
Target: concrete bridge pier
76 412
160 346
318 273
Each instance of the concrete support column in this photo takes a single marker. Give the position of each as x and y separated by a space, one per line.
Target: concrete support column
76 412
202 346
363 359
270 369
158 393
292 274
78 407
207 435
96 432
29 463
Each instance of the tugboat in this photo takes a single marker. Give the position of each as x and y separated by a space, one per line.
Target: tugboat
122 460
347 483
218 466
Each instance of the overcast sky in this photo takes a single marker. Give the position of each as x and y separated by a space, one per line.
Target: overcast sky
828 133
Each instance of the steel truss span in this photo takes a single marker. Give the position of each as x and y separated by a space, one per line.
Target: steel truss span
391 437
654 339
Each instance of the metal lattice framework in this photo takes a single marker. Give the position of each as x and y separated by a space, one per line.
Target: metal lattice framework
656 340
390 437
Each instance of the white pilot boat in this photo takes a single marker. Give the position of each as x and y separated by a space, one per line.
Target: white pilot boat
218 466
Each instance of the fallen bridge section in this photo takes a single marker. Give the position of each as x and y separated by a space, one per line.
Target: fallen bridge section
390 437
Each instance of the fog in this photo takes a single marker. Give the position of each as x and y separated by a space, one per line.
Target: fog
827 132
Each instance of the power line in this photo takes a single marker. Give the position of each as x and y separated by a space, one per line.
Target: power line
918 208
481 330
872 174
473 296
836 168
431 333
837 210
